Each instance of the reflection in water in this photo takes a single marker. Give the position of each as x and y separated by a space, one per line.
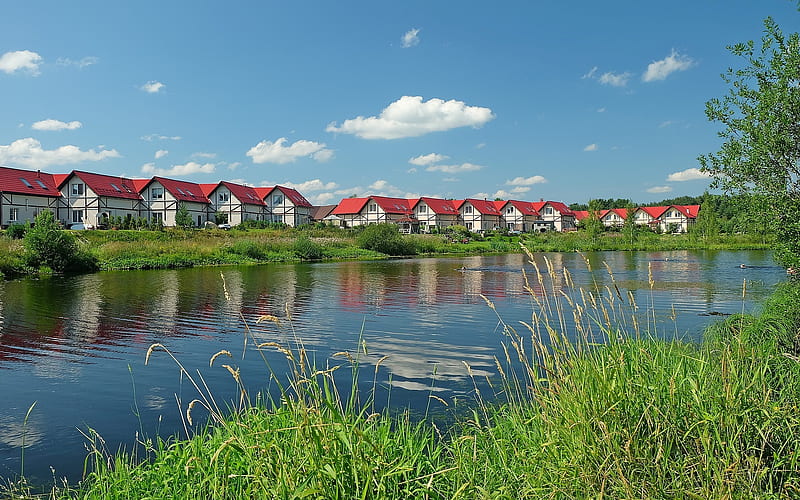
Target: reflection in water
76 344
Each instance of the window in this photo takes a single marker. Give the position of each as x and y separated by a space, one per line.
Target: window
77 216
277 199
548 210
510 226
41 184
422 209
510 210
116 188
77 189
158 217
469 226
181 191
25 181
223 196
373 207
14 215
156 193
468 209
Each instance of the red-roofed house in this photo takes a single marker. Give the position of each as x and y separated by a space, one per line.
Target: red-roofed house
377 210
286 205
435 213
518 215
24 194
478 215
351 211
239 202
678 218
559 214
649 216
614 217
91 198
162 198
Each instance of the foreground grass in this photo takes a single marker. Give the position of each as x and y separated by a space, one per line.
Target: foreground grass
628 417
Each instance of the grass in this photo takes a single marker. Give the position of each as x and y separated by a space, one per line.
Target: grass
602 409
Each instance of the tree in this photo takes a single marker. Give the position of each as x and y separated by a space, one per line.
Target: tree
629 226
183 218
385 238
592 223
46 244
706 227
220 217
760 154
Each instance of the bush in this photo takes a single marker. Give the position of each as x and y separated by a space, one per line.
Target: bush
47 245
17 231
306 249
385 238
248 248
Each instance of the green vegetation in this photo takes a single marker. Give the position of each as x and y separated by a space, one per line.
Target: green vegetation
47 245
385 238
569 418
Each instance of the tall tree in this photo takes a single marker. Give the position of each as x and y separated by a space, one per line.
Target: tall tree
183 218
760 154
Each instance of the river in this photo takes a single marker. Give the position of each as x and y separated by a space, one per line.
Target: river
76 345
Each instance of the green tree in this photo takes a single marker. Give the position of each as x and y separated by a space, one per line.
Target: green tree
220 217
629 225
706 227
760 114
592 224
47 244
183 219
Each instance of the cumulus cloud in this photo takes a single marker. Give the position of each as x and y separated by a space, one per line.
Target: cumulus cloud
454 169
659 189
409 116
590 74
161 153
276 152
80 63
526 181
179 170
659 70
204 155
159 137
20 60
591 147
428 159
615 79
56 125
410 38
312 185
601 110
152 87
28 152
690 174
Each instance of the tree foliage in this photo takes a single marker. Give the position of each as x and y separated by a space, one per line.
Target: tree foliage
760 154
385 238
47 244
183 218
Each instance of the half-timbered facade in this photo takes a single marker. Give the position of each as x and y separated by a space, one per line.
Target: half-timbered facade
435 213
517 215
94 198
558 213
478 215
24 194
286 205
163 197
240 203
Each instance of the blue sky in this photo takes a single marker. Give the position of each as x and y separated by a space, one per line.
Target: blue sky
520 100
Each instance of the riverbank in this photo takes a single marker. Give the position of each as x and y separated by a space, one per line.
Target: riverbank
175 248
634 418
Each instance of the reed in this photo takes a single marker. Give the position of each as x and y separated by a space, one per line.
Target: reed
589 400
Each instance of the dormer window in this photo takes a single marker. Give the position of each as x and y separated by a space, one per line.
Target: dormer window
468 209
277 199
117 189
25 181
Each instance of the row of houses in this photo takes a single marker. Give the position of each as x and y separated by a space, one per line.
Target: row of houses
667 218
88 198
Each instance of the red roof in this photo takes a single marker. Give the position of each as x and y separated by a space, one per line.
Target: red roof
106 185
297 198
654 212
524 207
483 206
393 205
557 205
689 211
59 178
350 206
245 194
263 191
208 189
13 180
140 184
181 190
439 206
581 214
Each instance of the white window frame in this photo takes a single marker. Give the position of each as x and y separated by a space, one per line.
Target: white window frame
77 189
77 216
157 193
223 197
14 215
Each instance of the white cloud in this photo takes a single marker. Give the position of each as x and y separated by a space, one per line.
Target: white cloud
480 145
20 60
454 169
659 189
56 125
412 170
410 38
450 179
615 79
28 152
204 155
80 63
161 153
665 124
590 74
276 152
152 87
526 181
312 185
233 165
428 159
179 170
153 137
601 110
409 116
690 174
379 185
479 196
659 70
591 147
501 194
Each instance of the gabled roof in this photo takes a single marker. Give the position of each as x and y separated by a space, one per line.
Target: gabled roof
689 211
180 190
581 214
483 206
13 180
140 184
350 206
293 195
438 206
245 194
524 207
59 178
106 185
319 213
392 205
263 191
557 205
208 189
621 213
654 212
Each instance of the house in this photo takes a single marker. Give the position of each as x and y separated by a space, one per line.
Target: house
24 194
517 215
558 213
435 214
94 198
323 213
286 205
163 197
376 210
649 216
240 203
478 215
679 218
614 217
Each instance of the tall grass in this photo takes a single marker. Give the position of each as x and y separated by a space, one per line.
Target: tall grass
587 402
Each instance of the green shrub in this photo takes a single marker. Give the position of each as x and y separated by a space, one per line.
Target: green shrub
17 231
385 238
47 245
248 248
306 249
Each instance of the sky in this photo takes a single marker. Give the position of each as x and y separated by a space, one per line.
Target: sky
522 100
